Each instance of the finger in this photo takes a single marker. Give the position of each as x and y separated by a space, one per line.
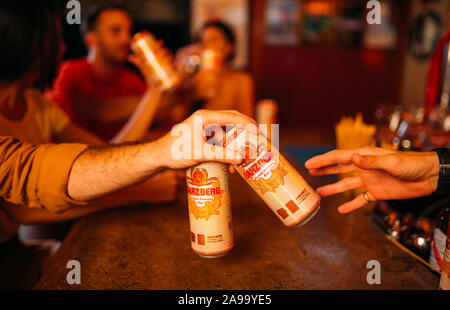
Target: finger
222 155
375 162
138 63
340 187
231 169
339 169
351 206
134 60
252 123
223 118
336 157
342 157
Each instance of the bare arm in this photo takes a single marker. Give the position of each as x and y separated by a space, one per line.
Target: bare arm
101 171
141 119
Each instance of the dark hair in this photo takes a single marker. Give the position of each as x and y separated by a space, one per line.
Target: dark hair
94 13
29 35
226 30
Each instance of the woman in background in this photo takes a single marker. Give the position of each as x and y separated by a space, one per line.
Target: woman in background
216 85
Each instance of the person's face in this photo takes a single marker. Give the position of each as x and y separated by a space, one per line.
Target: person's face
112 35
213 38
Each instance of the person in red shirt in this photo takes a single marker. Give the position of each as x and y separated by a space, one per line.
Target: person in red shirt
98 92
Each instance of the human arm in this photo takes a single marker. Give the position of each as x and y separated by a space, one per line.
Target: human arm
104 170
159 189
143 116
387 175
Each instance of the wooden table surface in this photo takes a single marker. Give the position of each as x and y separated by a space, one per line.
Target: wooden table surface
148 247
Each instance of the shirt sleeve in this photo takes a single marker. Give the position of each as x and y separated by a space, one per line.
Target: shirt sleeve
55 117
37 176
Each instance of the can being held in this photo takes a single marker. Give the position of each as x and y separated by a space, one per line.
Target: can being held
281 187
209 210
161 71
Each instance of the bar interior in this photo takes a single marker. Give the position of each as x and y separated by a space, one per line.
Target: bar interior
367 83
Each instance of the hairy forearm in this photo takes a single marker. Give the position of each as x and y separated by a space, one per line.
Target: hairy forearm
103 170
141 119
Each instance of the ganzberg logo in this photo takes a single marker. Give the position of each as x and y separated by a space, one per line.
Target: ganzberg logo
374 15
74 15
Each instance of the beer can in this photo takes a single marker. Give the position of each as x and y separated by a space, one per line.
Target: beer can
445 274
268 172
209 210
161 71
266 112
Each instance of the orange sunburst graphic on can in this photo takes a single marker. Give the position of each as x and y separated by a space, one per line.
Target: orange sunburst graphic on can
204 194
260 167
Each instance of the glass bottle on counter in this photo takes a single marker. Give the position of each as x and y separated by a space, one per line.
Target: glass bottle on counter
439 239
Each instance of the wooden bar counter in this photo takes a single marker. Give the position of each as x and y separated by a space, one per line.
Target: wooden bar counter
148 247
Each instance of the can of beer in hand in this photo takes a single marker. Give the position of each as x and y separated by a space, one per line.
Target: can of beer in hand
161 71
209 210
268 172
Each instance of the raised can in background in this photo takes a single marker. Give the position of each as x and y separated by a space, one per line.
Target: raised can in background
281 187
209 210
161 71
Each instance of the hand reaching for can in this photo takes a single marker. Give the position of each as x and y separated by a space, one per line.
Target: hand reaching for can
385 174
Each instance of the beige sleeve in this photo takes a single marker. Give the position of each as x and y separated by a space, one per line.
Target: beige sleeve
55 116
37 176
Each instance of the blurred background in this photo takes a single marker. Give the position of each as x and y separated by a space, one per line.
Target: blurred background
318 58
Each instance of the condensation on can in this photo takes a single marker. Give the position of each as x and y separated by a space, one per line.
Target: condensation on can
209 210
